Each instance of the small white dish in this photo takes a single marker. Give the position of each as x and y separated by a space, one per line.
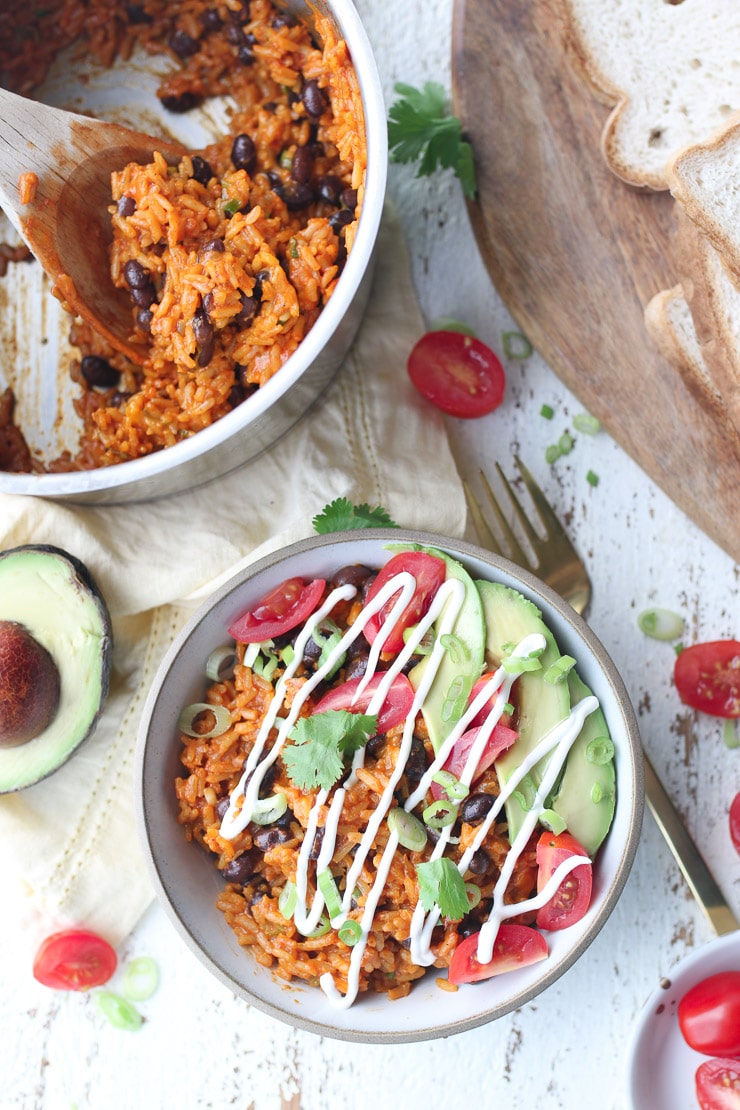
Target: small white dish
661 1066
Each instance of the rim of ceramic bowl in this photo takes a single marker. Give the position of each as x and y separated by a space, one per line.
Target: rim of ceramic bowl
350 1024
137 471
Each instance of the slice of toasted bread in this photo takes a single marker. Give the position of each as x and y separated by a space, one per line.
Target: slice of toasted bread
669 321
669 68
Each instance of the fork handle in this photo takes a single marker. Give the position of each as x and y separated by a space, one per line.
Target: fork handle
695 871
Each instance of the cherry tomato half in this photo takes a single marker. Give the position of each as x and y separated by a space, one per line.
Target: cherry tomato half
457 373
735 822
707 677
285 607
573 896
394 710
429 572
709 1015
516 946
500 739
718 1085
74 960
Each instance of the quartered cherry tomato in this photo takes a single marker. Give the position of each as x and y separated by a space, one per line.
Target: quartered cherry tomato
735 822
457 373
429 572
516 946
709 1015
573 896
394 710
499 741
718 1085
707 677
285 607
74 960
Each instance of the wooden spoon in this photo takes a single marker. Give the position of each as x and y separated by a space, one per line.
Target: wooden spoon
67 224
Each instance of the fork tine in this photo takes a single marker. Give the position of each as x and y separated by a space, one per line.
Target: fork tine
515 550
522 517
544 509
482 527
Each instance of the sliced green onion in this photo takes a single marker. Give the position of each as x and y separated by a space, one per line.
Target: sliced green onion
592 478
286 159
220 664
350 932
287 654
731 734
268 810
140 979
474 894
600 750
408 828
265 664
456 699
118 1011
586 423
455 790
288 900
330 894
547 411
449 323
323 927
509 709
440 814
231 207
598 794
518 664
661 624
566 443
558 670
455 648
330 635
516 345
188 717
552 821
526 793
293 248
251 653
426 643
678 648
552 453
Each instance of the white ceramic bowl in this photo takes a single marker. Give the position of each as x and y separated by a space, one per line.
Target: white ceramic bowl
187 883
661 1067
126 94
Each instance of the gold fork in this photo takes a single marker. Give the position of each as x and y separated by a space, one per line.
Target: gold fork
555 560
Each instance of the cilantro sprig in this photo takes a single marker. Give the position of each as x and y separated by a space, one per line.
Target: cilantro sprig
441 884
420 127
341 515
315 759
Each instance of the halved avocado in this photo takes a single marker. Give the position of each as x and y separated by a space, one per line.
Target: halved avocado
54 598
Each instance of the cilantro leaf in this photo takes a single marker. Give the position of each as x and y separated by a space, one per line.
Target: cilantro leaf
315 758
341 515
441 884
419 127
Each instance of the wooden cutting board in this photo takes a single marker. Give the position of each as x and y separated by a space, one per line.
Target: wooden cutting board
576 253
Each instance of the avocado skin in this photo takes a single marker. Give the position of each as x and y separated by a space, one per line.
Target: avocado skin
587 821
32 762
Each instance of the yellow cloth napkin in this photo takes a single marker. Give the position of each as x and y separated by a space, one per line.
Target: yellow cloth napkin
69 852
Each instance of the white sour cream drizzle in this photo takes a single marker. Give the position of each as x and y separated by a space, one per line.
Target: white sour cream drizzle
446 607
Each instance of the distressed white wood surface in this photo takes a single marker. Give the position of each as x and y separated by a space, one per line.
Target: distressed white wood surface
200 1047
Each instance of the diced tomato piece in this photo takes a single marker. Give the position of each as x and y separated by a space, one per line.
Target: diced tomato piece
429 573
573 896
500 739
516 946
280 611
395 708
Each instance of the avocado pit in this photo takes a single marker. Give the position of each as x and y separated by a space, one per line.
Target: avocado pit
29 686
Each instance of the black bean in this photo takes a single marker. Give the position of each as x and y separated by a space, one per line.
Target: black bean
204 336
221 807
247 312
136 14
118 399
302 165
234 35
98 371
375 745
259 279
144 297
244 153
356 666
242 15
135 275
349 198
416 764
210 20
183 44
183 102
467 927
476 807
269 837
354 574
144 319
296 195
213 245
283 19
126 206
479 862
202 171
242 868
340 219
329 187
315 100
311 651
317 842
245 55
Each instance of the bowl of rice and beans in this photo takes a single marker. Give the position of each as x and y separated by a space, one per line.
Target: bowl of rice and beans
245 267
377 768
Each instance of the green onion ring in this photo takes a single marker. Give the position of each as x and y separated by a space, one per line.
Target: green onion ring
439 814
600 750
288 900
474 894
140 979
330 894
552 821
661 624
350 931
191 712
220 664
408 828
323 927
268 810
118 1011
516 345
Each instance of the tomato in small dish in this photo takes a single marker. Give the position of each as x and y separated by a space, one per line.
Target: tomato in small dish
735 822
74 960
516 946
707 677
457 373
718 1085
280 611
394 709
573 896
709 1015
429 572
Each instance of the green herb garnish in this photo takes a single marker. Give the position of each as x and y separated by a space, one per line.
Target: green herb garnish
441 884
341 515
516 345
420 127
316 756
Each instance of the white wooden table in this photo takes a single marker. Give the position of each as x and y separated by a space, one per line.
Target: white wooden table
201 1047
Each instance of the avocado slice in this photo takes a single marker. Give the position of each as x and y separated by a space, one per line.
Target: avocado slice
455 672
53 596
586 794
540 705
